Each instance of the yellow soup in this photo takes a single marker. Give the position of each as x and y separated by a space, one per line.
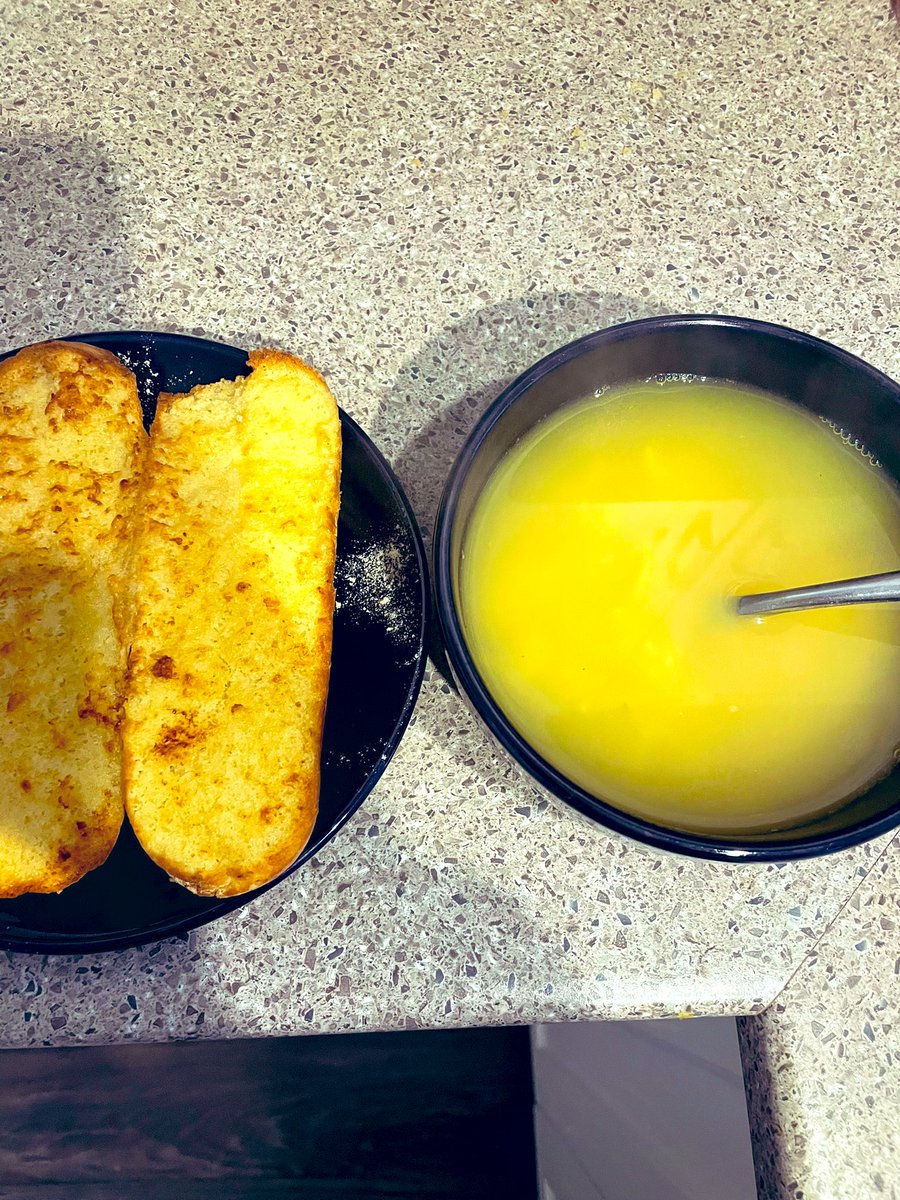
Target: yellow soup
597 587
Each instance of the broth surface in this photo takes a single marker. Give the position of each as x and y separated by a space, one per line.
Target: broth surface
597 591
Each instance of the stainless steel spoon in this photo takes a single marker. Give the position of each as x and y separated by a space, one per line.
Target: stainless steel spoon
869 589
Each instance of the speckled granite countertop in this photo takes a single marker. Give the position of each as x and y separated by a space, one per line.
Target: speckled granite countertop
422 204
822 1063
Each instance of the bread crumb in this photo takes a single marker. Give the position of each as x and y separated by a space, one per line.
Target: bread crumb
370 583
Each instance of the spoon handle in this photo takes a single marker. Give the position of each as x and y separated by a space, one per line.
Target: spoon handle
869 589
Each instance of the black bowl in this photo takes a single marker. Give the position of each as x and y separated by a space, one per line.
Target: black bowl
806 370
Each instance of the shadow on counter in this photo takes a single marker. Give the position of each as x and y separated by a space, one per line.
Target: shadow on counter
64 260
467 365
759 1081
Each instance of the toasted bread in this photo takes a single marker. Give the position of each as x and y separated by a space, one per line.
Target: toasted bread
234 565
71 446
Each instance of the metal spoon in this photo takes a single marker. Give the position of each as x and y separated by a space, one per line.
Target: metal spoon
869 589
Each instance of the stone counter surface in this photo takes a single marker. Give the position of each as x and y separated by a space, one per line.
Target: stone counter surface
822 1063
422 199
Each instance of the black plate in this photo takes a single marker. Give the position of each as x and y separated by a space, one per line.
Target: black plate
377 662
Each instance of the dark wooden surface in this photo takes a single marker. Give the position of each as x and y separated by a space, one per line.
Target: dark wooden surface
376 1116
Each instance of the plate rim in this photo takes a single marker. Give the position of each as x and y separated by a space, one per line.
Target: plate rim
79 944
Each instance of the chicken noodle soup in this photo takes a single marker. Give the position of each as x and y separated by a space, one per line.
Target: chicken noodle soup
597 589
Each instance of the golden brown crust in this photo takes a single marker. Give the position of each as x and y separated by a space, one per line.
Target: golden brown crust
71 442
61 356
280 360
230 660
